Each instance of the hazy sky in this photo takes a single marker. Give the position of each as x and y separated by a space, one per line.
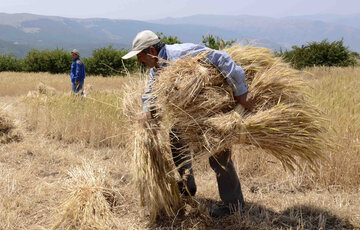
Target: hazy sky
154 9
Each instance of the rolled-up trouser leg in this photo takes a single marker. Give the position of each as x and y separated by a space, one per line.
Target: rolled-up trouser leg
182 160
227 179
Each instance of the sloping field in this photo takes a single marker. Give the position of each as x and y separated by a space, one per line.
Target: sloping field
70 170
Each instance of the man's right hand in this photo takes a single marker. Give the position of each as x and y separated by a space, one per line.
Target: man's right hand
245 102
144 117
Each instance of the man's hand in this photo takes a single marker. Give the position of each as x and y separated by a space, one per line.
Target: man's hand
77 83
144 117
244 101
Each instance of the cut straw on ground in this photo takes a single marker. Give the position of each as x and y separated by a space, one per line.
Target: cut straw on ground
87 206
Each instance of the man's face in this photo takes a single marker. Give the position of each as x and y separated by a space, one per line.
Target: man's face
74 56
149 59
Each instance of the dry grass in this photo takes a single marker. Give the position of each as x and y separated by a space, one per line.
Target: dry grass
87 206
32 171
96 120
200 106
154 176
17 84
79 120
149 145
336 91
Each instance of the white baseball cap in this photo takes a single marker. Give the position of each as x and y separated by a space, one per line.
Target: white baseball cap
143 40
75 51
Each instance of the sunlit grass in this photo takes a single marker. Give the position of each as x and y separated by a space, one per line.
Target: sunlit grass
97 120
337 91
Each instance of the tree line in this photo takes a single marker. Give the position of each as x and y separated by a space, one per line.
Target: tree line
107 61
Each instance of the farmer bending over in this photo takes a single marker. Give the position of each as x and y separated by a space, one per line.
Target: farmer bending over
149 50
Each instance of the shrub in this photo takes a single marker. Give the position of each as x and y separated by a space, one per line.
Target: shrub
169 40
53 61
321 53
60 61
107 61
217 42
8 62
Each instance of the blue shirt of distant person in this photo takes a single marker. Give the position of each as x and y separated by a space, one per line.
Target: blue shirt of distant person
77 72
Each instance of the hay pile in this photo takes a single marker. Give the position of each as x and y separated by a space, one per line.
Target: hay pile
8 132
198 102
154 174
46 90
87 206
153 168
5 124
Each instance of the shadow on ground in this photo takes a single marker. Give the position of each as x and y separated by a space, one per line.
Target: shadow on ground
256 217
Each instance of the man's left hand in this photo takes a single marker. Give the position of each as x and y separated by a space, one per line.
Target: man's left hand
244 101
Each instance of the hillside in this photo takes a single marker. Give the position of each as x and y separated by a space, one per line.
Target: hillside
18 31
284 31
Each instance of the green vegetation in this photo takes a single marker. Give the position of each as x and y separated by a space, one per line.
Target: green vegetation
217 42
105 61
8 62
169 40
53 61
322 53
108 61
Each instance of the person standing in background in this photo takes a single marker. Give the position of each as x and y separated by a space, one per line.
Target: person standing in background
77 73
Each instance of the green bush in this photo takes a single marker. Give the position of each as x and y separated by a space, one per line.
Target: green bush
216 43
36 61
9 62
60 61
53 61
321 53
169 40
107 61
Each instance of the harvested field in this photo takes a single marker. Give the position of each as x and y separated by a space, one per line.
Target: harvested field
35 183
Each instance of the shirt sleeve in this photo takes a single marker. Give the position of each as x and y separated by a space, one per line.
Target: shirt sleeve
73 66
234 74
77 71
147 97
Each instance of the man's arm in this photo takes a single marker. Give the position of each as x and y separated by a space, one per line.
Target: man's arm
79 69
148 99
234 75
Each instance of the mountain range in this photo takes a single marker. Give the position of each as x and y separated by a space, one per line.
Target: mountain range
21 32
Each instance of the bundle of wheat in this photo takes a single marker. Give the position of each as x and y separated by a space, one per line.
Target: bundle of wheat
151 153
8 131
45 89
253 59
154 175
132 104
87 206
284 123
5 123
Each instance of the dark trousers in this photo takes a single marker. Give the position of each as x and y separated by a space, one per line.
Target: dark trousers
228 182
